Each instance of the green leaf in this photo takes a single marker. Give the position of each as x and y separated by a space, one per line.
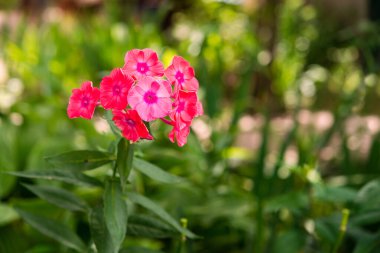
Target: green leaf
53 229
292 201
155 172
368 244
137 249
160 212
366 218
81 159
124 160
115 213
368 195
334 194
70 177
148 226
99 231
7 214
58 197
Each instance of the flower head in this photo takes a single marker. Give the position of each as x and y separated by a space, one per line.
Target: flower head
83 101
150 98
182 75
131 125
114 90
185 107
143 62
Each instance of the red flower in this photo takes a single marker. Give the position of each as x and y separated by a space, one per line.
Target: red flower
143 63
131 125
114 90
83 101
182 75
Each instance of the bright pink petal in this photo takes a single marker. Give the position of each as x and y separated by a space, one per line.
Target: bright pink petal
83 101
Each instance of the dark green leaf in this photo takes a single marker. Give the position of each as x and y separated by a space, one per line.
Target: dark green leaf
58 197
368 196
124 160
155 172
99 231
160 212
81 159
137 249
70 177
115 213
368 244
147 226
53 229
366 218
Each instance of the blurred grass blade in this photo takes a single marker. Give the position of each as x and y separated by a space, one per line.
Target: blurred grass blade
137 249
80 159
124 160
148 226
58 197
160 212
155 172
368 244
99 231
115 213
53 229
69 177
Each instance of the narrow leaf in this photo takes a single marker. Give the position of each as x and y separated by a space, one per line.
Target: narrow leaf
115 213
99 231
148 226
8 214
124 160
160 212
81 159
70 177
155 172
58 197
137 249
53 229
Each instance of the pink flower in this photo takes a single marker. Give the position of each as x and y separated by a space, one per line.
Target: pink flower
83 101
150 98
142 63
131 125
179 133
185 107
182 75
114 90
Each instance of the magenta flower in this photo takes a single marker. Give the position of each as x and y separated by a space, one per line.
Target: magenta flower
114 90
182 75
83 101
150 98
143 62
131 125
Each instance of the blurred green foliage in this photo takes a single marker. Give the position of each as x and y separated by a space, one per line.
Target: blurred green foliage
286 144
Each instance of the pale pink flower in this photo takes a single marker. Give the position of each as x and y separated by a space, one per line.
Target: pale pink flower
182 75
150 98
143 62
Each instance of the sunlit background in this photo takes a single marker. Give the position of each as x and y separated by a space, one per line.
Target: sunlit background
290 134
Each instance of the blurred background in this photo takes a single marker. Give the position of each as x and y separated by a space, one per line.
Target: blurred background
290 135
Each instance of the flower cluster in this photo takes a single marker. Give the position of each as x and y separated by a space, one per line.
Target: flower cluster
143 90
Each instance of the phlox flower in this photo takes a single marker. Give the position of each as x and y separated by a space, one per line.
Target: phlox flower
131 125
114 90
179 133
83 101
185 107
150 98
143 62
182 75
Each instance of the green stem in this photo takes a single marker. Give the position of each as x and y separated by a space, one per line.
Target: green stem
342 229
